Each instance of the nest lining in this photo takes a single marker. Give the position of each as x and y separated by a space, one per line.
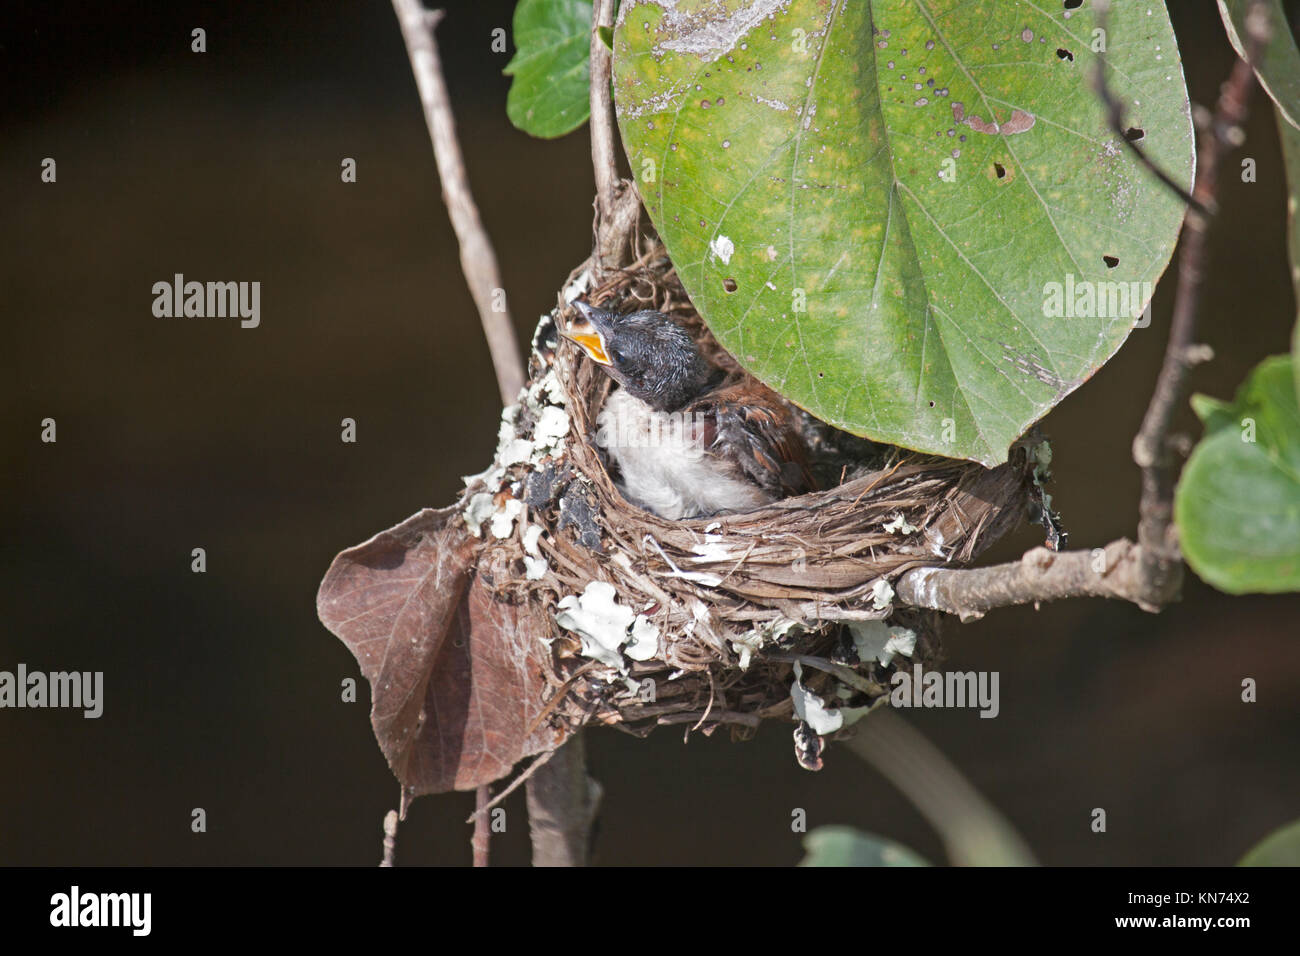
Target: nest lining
717 610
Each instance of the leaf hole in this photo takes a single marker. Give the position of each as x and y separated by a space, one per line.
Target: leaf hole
1111 261
1000 170
932 404
1064 54
730 285
1073 4
1135 134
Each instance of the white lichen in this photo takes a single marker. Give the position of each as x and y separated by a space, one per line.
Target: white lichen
551 428
876 640
644 644
478 510
900 525
811 708
503 518
605 626
756 638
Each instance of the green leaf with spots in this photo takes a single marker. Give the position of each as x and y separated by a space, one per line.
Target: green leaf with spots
845 846
908 216
551 67
1237 504
1278 67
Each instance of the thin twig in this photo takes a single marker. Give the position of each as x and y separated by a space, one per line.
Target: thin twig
1115 116
515 784
618 207
482 839
390 838
603 162
477 260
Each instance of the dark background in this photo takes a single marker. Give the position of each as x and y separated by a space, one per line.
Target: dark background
222 689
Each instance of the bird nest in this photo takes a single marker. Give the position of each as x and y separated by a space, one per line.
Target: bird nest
785 612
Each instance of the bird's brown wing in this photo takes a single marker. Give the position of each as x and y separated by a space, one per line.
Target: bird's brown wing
746 422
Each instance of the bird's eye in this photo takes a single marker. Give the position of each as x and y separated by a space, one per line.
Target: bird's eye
616 355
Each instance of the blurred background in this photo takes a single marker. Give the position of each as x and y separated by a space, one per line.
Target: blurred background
222 690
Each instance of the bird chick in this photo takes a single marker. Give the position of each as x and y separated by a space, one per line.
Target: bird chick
686 439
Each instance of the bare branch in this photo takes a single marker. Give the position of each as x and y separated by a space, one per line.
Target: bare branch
390 838
477 260
603 163
562 804
481 841
618 207
1041 575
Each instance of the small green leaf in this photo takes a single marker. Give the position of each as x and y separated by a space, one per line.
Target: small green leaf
1279 66
1214 413
1238 502
549 95
1279 848
910 217
845 846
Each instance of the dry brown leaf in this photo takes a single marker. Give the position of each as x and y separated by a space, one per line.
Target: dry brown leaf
455 676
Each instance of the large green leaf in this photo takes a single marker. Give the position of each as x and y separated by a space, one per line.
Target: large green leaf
796 158
1238 501
1278 68
551 67
845 846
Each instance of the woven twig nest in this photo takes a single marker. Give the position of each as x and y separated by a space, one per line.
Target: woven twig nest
728 619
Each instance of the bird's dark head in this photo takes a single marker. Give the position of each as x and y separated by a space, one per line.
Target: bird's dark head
649 355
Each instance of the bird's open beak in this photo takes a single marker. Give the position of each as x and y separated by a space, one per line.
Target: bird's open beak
586 333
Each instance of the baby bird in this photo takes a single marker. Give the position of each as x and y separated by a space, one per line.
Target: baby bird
686 439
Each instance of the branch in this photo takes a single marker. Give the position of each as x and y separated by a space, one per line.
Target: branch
603 163
1114 571
562 804
1149 573
482 839
477 260
390 838
618 208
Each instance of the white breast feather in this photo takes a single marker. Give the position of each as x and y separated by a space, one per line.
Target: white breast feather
663 469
